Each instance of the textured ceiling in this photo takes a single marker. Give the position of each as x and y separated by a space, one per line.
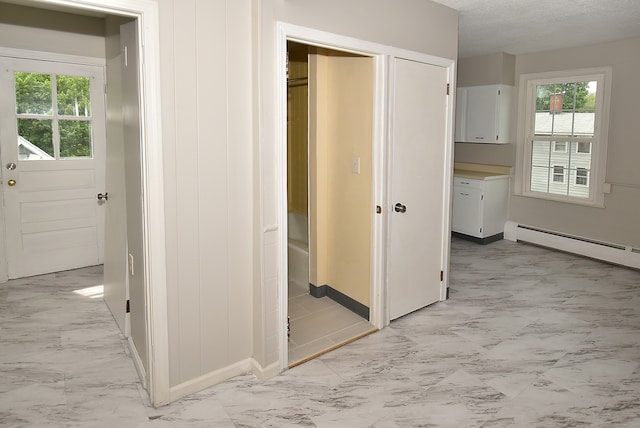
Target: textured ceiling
523 26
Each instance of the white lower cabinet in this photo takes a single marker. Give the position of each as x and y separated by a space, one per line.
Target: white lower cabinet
480 207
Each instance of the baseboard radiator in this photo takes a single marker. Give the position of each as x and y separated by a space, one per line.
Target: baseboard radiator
605 251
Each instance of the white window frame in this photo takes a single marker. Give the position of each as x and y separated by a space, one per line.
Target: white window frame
526 114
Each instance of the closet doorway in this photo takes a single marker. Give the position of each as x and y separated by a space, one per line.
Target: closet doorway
330 98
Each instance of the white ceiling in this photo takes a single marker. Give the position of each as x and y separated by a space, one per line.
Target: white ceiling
523 26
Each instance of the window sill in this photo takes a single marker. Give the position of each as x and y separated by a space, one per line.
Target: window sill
567 200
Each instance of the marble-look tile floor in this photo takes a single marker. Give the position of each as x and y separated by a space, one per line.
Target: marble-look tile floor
529 338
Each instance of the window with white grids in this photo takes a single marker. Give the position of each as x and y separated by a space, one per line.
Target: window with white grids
564 149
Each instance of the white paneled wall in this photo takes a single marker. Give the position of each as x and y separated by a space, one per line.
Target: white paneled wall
208 155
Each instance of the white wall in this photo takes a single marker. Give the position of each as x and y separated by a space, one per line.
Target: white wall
48 31
207 141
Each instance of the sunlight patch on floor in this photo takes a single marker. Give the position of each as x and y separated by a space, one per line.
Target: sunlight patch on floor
95 292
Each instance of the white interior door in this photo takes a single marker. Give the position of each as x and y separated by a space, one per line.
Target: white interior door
115 241
417 186
52 142
133 174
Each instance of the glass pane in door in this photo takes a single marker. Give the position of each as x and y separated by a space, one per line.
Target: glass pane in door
35 139
73 96
75 139
33 93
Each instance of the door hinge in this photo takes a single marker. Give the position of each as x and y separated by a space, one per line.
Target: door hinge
448 88
441 275
128 307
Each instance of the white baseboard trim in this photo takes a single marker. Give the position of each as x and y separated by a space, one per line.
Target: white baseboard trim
264 373
207 380
212 378
137 362
605 251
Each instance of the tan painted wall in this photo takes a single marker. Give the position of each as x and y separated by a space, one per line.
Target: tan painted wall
297 132
49 31
318 173
617 222
340 233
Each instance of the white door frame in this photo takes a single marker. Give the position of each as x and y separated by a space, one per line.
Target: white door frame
146 13
381 145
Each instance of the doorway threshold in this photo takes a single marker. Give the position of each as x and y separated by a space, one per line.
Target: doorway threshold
333 347
320 325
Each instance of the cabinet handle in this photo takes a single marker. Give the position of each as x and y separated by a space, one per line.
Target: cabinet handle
464 182
464 194
479 138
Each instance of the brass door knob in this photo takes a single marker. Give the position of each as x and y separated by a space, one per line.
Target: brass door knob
11 183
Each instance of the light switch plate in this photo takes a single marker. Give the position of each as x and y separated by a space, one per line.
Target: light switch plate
355 165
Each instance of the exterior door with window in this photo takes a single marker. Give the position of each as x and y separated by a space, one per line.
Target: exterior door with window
52 141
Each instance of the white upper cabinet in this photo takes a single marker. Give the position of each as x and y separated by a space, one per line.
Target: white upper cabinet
483 114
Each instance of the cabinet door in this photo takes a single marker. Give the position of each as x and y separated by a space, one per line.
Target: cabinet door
467 211
481 114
